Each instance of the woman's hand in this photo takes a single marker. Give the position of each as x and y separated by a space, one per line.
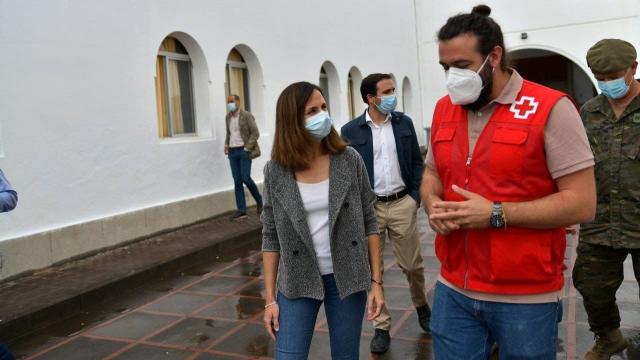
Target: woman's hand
271 320
376 301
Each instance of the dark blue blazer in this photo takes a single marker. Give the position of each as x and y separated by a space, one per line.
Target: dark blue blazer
358 134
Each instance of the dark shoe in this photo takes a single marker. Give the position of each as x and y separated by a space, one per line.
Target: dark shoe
380 341
259 208
424 317
495 354
238 215
606 345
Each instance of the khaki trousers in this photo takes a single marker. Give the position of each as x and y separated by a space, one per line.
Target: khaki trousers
397 220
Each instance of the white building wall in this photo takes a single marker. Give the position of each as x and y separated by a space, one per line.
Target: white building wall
78 122
567 27
79 137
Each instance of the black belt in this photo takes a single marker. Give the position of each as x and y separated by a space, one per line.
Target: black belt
396 196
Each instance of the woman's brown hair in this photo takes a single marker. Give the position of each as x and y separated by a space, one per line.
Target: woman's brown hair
291 144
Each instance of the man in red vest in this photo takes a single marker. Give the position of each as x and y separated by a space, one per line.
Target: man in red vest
509 167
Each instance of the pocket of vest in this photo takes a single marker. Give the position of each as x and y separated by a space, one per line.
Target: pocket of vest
507 153
443 144
444 134
520 256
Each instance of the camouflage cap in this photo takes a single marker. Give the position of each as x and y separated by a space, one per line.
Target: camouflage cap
610 55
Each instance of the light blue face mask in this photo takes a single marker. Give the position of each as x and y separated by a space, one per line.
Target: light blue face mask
319 125
387 103
232 107
614 89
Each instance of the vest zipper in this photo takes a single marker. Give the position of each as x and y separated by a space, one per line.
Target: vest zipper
466 234
466 179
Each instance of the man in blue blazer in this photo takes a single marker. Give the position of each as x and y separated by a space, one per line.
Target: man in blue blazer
388 144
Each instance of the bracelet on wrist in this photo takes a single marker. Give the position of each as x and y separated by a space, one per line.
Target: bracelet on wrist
376 281
271 304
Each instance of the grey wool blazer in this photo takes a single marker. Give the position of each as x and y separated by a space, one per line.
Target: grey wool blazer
351 219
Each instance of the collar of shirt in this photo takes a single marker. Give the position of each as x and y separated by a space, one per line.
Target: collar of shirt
507 96
511 89
370 120
601 104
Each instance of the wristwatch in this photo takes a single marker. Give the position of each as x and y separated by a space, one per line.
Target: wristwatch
498 220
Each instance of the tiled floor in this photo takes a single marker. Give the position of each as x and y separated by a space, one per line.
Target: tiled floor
217 315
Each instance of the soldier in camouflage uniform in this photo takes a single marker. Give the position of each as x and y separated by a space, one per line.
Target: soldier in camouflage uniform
612 121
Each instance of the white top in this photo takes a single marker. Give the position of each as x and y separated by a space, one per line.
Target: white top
387 178
235 140
315 199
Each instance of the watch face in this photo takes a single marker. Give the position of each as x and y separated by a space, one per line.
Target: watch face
496 221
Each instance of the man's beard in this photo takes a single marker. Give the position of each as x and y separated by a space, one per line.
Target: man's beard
485 95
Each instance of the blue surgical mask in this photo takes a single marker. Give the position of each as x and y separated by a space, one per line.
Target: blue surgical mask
614 89
319 125
387 104
232 107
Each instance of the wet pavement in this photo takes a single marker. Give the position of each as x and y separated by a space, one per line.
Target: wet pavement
214 311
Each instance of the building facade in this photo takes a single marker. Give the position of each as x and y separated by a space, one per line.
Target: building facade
112 120
112 112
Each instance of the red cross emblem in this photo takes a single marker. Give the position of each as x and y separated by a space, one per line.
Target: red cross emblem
524 107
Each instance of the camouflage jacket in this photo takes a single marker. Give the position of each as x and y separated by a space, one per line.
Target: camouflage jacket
616 146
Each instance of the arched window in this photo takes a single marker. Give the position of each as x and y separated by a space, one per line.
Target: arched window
356 106
324 84
237 79
395 83
174 90
328 81
407 97
243 77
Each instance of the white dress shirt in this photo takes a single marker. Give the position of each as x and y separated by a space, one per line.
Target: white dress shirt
235 140
387 178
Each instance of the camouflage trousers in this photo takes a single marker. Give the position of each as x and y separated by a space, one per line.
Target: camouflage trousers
597 274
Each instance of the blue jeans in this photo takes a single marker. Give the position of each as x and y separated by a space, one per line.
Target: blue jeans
241 171
5 354
298 319
464 328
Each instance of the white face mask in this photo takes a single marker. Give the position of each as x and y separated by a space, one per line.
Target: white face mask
463 85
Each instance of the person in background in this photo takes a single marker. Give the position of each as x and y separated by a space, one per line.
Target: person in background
8 196
241 145
612 121
387 142
8 202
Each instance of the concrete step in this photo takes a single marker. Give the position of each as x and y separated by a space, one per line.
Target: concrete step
43 298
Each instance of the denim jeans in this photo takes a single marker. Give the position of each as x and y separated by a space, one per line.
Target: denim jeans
464 328
241 171
5 354
298 319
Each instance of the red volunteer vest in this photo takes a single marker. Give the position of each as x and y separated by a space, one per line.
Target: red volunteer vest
508 164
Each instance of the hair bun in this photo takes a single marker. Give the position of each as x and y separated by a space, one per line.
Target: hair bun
483 10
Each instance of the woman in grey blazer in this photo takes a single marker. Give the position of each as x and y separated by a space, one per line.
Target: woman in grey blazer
319 231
